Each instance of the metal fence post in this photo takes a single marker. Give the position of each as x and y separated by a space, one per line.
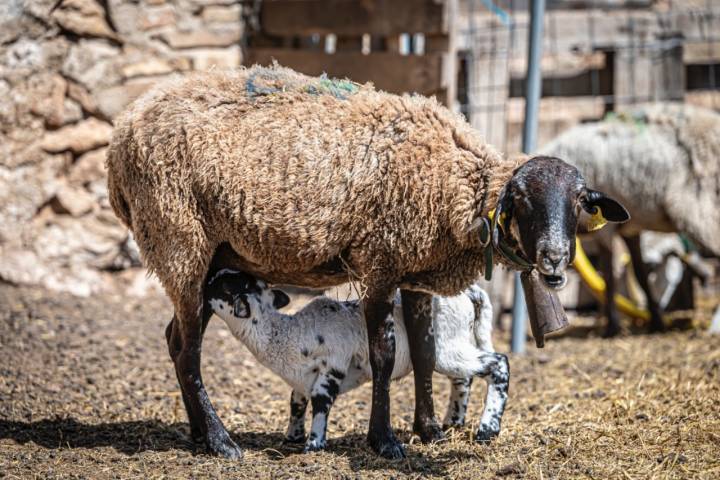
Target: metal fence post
533 84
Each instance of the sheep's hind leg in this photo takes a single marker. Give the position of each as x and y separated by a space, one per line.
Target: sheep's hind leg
296 425
381 338
642 273
172 336
187 334
611 313
494 367
417 313
457 406
322 397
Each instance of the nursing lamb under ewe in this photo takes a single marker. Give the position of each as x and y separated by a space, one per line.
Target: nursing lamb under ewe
312 182
322 350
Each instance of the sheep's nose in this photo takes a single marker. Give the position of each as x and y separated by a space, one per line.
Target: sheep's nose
554 259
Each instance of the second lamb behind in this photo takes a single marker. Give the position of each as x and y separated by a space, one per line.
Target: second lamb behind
322 350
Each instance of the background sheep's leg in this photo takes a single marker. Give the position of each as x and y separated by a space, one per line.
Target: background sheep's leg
641 273
190 325
494 367
296 425
457 406
417 313
381 338
606 261
322 397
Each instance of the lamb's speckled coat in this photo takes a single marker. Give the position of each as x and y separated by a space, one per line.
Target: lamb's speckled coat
662 161
293 177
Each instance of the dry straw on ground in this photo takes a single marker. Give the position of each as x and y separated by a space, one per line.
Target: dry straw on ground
87 391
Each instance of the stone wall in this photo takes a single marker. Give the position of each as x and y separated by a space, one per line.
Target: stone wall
67 68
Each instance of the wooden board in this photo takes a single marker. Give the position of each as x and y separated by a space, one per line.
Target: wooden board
352 17
388 71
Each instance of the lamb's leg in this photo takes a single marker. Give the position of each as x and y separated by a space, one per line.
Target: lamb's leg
606 262
186 336
322 397
296 425
641 273
494 367
417 313
457 406
381 339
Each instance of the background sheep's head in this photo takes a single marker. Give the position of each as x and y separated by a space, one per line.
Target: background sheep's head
544 205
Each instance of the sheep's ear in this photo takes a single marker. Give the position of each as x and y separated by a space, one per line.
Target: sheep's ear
280 299
599 209
240 308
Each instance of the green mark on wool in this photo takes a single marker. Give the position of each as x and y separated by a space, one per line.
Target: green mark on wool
634 118
270 81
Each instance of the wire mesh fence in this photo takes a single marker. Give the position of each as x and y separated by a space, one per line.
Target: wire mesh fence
599 56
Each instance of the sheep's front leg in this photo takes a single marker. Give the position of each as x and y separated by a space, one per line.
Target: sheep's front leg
457 406
322 397
381 338
417 313
296 425
494 367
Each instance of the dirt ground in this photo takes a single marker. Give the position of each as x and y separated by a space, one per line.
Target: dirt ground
87 391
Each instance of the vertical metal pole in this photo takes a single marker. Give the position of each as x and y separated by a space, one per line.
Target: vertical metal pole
532 104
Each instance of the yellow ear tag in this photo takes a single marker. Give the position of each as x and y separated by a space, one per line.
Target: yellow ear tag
597 221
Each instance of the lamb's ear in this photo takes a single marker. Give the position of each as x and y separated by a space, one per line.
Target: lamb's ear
598 210
240 308
280 299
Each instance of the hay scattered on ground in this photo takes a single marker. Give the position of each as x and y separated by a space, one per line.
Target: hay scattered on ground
87 391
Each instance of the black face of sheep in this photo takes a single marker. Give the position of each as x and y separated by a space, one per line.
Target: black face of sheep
544 205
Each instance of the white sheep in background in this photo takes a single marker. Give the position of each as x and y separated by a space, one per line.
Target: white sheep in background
662 162
322 350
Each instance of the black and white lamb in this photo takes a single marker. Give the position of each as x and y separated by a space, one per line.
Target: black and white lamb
322 350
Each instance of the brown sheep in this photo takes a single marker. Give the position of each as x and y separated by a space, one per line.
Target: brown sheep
310 181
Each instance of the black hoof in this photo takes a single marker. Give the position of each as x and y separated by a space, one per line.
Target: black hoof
611 331
430 432
485 434
299 439
221 444
387 446
656 326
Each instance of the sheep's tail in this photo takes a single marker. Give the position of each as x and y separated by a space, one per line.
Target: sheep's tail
118 202
482 325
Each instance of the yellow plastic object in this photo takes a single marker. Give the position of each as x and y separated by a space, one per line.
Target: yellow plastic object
597 284
597 220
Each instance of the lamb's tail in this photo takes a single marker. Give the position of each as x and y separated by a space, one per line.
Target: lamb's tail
482 326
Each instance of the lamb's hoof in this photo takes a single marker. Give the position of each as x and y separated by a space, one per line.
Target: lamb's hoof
294 439
429 433
485 434
387 446
314 445
221 444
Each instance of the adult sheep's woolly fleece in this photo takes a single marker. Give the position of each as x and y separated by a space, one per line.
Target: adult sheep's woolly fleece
87 390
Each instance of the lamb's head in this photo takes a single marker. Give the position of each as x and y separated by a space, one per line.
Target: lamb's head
238 295
543 206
